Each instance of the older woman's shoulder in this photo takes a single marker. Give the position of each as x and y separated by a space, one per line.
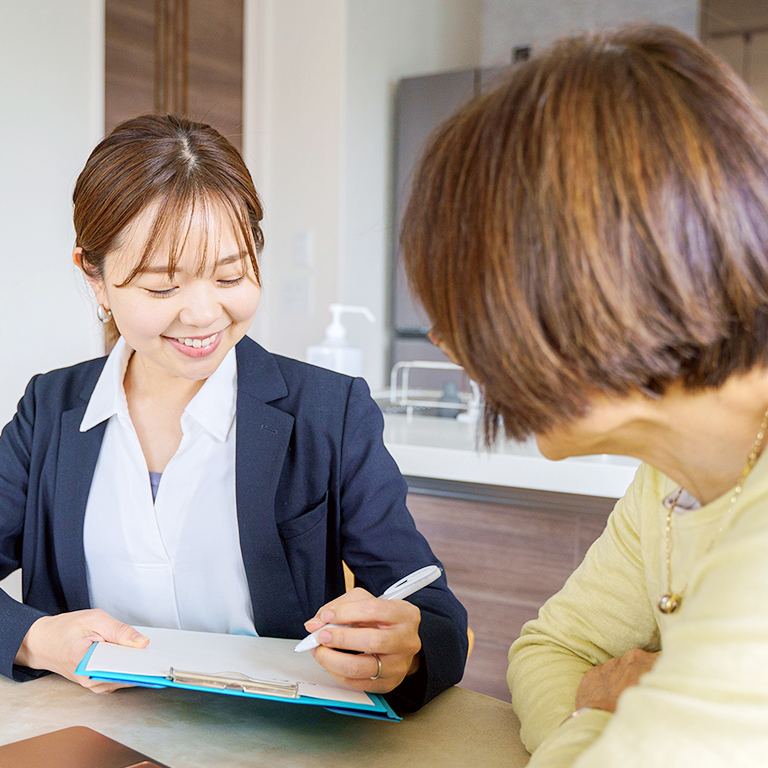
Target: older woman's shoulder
648 489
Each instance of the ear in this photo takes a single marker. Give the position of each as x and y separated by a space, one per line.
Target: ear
96 283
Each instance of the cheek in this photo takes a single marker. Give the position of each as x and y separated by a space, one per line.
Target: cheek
244 307
142 319
144 327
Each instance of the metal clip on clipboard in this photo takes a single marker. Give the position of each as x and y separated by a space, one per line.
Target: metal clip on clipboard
234 681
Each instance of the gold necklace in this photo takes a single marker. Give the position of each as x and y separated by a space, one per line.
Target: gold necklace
670 601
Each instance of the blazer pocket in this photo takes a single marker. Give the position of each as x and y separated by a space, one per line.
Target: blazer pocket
305 521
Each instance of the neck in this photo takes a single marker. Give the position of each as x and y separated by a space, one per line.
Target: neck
144 382
699 439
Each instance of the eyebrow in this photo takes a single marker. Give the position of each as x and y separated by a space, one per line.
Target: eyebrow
160 270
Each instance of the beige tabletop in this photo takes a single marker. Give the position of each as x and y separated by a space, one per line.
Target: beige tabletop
186 728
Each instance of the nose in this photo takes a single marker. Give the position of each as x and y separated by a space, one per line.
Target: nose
202 307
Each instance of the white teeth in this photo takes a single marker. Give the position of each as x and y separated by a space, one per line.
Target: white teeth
196 343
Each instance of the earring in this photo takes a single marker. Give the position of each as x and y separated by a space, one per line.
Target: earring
104 315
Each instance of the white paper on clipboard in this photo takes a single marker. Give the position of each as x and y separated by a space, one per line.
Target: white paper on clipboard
259 658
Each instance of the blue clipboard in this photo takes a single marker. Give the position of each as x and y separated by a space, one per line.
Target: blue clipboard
378 708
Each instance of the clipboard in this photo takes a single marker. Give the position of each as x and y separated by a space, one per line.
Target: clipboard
234 665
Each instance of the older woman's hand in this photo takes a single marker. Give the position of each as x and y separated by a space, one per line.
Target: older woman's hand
375 628
601 687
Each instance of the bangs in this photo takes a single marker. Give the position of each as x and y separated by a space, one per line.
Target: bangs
173 217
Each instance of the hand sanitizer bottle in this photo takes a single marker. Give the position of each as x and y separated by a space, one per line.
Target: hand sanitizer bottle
335 352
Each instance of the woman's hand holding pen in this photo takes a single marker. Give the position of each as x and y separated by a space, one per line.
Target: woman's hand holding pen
387 629
58 643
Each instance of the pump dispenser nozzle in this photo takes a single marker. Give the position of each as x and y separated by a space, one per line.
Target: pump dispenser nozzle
336 330
335 352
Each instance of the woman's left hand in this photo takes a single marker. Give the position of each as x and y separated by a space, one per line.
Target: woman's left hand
387 629
602 685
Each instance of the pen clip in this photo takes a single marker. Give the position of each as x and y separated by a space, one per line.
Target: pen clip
412 583
234 681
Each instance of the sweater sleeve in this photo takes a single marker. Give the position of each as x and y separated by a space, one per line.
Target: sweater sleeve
705 703
602 612
381 544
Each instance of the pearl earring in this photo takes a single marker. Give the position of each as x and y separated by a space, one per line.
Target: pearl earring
104 315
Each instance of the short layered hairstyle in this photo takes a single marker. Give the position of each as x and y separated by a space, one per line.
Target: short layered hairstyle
598 224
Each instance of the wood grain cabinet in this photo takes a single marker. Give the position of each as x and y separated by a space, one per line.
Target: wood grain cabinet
504 559
175 56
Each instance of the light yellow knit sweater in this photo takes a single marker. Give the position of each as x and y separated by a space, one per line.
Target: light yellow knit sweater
705 703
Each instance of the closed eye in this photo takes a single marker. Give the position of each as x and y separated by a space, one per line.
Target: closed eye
161 294
232 283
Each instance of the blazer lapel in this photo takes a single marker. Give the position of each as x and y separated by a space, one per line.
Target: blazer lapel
263 437
78 453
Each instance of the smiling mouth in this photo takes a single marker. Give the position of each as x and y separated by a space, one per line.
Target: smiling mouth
196 343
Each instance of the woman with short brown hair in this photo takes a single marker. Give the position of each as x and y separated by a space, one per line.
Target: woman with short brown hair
591 243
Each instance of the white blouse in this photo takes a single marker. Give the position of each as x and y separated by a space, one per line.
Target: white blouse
175 562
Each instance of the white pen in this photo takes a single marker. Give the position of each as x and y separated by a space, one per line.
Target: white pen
400 589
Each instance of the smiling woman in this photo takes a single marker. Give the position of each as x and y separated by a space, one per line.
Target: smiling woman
191 479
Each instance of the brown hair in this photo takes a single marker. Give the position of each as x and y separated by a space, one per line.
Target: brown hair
171 162
597 224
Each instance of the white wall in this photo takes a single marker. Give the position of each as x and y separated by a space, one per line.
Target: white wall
295 58
510 23
387 40
51 91
319 90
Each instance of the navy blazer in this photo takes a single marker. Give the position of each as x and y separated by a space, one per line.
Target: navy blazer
315 485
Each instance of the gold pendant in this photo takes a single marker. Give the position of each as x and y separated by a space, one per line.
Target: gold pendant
670 602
